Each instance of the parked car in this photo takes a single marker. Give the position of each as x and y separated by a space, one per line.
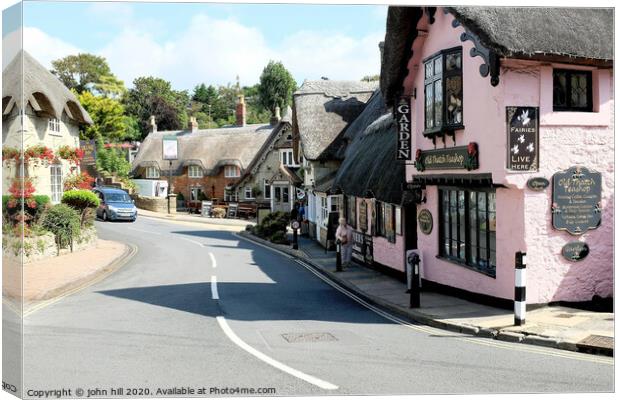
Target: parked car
115 205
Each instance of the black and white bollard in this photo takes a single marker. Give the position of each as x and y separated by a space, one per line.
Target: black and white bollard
519 288
414 280
338 256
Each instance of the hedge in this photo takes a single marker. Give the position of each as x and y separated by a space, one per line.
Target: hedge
80 199
64 222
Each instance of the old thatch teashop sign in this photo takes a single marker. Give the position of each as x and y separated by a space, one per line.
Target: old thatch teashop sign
403 121
458 157
522 123
576 200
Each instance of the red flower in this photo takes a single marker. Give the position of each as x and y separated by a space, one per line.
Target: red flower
418 154
472 148
32 203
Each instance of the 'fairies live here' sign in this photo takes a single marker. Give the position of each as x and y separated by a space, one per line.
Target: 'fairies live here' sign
522 124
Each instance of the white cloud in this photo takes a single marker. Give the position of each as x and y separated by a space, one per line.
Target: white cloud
217 50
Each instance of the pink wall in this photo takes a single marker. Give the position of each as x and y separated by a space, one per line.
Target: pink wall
523 216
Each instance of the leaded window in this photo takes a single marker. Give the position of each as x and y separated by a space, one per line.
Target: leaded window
443 92
572 90
467 228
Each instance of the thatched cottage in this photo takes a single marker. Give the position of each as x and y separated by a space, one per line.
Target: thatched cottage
508 133
271 179
322 110
52 117
210 161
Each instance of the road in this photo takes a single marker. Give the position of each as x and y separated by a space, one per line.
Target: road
198 307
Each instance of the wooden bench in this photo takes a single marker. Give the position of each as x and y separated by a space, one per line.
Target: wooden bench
246 210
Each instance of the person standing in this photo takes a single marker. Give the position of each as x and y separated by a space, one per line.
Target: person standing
344 233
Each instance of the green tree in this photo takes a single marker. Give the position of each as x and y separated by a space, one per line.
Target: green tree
110 86
111 161
155 96
276 87
109 119
81 71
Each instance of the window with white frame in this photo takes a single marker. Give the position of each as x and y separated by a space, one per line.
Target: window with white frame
324 211
56 182
248 192
266 189
230 195
194 171
287 159
53 125
152 172
231 171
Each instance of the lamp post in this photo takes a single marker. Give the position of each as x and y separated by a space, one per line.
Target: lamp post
209 124
170 153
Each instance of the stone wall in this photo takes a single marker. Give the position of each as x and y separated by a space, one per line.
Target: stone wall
156 204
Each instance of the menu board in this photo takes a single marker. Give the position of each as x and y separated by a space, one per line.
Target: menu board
576 204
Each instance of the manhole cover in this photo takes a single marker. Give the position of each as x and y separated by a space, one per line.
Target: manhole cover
309 337
597 344
564 316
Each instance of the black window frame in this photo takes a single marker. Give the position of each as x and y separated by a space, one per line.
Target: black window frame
569 73
443 126
490 242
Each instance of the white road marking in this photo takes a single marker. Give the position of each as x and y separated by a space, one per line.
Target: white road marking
142 230
192 241
214 294
274 363
213 262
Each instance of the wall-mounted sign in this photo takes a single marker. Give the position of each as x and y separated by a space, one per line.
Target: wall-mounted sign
362 247
364 216
403 122
538 183
458 157
575 251
522 129
425 221
576 200
170 147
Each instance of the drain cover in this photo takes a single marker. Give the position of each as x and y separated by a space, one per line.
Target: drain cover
309 337
597 344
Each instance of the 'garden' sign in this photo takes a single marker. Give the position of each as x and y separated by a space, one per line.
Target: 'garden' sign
403 121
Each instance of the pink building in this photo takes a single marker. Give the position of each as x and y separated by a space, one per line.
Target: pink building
511 147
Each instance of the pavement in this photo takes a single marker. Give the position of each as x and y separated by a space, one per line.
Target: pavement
552 326
54 277
187 217
199 306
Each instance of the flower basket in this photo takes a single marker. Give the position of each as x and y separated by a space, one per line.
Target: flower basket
72 154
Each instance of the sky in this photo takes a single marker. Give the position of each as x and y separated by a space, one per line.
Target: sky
192 43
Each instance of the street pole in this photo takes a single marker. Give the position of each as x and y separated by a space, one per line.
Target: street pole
169 180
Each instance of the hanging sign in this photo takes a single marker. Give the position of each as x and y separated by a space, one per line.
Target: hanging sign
364 216
170 147
575 251
522 124
576 200
403 122
458 157
538 183
425 221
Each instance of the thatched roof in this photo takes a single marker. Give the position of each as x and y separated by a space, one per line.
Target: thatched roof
370 167
209 148
575 35
40 88
323 109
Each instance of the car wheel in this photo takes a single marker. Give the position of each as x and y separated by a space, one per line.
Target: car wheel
104 216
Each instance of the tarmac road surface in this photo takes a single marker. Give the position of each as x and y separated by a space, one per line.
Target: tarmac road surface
199 308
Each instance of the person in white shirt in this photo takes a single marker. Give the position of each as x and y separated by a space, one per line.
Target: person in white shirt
344 233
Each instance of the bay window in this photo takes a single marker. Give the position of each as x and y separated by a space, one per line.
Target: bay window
443 92
467 228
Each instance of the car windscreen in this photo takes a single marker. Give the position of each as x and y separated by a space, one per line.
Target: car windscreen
118 198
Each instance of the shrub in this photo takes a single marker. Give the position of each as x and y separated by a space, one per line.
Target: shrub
180 197
64 222
279 237
83 201
33 206
271 224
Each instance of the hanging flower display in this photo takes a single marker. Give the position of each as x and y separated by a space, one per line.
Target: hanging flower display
72 154
39 152
10 154
79 181
471 162
419 165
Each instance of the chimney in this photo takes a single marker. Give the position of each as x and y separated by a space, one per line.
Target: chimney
193 124
152 124
240 113
276 117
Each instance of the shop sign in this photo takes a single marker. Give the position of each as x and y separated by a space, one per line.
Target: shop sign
362 247
458 157
522 129
90 153
169 147
576 200
425 221
403 121
575 251
363 216
538 183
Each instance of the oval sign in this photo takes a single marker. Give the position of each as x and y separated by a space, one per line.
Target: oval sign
425 221
575 251
538 183
295 225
